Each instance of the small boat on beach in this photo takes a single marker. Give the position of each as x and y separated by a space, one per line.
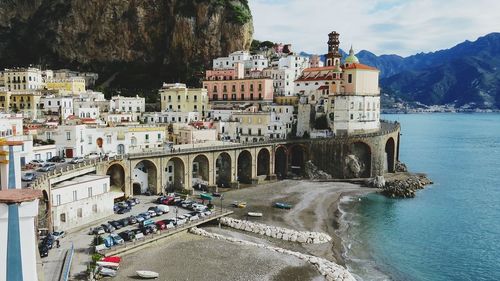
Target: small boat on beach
146 274
239 204
115 259
107 272
281 205
254 214
106 264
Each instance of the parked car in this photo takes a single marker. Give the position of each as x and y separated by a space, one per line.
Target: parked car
132 220
123 204
131 202
194 216
164 209
161 225
153 227
47 167
158 212
139 218
97 230
48 241
29 176
123 210
116 224
117 240
124 222
77 160
216 194
152 213
187 203
127 235
146 223
36 163
58 235
108 227
57 159
137 201
145 215
116 207
180 221
44 251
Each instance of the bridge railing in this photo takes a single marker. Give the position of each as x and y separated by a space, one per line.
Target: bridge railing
72 167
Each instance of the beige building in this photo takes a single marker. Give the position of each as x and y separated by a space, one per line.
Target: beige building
177 97
73 85
25 102
23 79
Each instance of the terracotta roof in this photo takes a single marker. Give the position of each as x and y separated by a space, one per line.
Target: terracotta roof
324 87
10 196
359 66
324 68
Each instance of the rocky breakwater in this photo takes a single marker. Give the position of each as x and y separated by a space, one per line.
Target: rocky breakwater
400 185
330 270
277 232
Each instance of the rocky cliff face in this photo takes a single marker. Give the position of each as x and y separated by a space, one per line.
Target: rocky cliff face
133 39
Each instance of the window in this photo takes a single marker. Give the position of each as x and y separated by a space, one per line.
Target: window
79 212
58 199
159 136
89 190
105 188
349 78
75 195
108 139
94 208
352 116
62 217
90 140
68 135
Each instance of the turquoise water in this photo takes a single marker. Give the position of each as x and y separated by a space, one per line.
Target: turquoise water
451 230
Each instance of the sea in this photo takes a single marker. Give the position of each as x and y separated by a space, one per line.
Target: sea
451 229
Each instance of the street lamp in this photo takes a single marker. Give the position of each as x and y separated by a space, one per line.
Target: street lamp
221 198
176 215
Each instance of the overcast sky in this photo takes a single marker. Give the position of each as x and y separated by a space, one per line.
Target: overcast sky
402 27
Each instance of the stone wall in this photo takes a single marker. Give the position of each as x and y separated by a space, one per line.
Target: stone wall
330 270
277 232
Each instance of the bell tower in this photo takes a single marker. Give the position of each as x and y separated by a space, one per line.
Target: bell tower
333 57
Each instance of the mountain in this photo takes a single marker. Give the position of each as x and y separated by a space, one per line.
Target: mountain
133 44
465 75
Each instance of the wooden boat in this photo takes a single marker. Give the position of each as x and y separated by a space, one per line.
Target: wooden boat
281 205
146 274
106 264
107 272
239 204
254 214
115 259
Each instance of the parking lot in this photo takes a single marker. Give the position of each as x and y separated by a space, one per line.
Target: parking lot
82 241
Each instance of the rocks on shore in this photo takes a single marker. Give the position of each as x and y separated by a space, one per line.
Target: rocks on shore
330 270
401 167
313 173
377 182
277 232
405 187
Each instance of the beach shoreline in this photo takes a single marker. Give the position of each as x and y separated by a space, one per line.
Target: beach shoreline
315 208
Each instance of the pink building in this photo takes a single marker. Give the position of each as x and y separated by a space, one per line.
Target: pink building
250 89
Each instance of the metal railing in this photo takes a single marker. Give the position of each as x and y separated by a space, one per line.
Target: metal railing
67 264
216 213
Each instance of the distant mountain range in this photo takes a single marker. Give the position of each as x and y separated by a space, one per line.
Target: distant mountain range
465 75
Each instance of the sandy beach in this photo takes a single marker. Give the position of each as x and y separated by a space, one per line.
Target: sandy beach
191 257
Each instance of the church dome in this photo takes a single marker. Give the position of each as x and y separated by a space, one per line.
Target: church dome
351 58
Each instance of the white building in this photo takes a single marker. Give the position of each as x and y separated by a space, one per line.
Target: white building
251 62
23 79
57 105
82 140
81 200
171 117
135 105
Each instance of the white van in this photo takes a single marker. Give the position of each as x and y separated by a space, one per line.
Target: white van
163 208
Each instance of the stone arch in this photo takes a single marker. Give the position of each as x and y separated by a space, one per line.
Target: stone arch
145 173
390 155
245 167
116 174
99 142
200 169
44 211
175 173
358 161
281 162
223 170
263 162
298 156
